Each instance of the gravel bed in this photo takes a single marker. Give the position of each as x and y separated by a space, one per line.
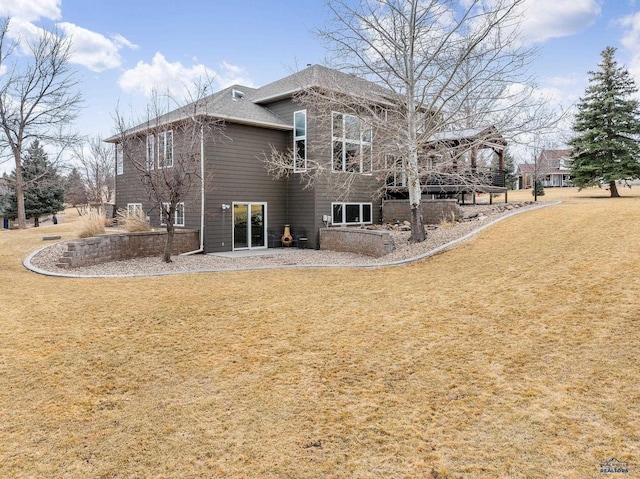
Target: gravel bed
44 261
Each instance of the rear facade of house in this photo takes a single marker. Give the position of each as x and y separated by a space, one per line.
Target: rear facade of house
238 204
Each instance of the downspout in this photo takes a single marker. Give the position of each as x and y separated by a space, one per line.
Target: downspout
201 249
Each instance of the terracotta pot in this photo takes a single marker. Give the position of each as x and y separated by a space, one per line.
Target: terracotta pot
286 239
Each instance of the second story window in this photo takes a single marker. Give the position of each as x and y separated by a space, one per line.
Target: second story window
351 144
165 149
119 159
397 174
300 140
151 152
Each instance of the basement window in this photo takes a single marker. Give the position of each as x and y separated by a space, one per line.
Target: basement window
351 213
178 217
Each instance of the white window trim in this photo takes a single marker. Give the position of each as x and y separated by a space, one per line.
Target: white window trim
151 152
131 207
162 149
345 141
119 159
175 214
296 139
344 212
394 167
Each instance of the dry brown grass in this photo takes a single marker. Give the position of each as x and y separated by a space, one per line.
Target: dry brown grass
513 355
92 224
133 224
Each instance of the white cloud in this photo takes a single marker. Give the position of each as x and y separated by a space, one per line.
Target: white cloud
545 19
631 42
121 41
90 49
94 50
23 32
229 74
31 10
163 76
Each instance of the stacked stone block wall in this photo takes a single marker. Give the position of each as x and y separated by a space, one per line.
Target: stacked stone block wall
117 247
374 243
433 211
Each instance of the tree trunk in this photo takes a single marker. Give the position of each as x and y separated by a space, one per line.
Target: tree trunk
22 216
614 189
418 234
168 245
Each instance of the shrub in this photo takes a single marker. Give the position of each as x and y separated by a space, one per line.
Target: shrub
539 189
133 224
448 222
91 224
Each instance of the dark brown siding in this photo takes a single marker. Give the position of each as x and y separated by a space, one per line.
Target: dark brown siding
310 205
130 187
235 173
301 200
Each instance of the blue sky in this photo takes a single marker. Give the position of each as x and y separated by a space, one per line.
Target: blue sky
123 48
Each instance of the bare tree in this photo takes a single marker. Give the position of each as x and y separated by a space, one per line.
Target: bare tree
437 70
165 151
96 164
38 97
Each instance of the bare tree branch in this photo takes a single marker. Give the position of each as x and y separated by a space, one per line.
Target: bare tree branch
164 149
447 80
38 97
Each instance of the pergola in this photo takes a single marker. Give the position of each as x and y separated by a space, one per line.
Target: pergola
470 181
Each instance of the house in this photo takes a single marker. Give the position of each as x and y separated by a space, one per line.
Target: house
460 172
551 167
239 205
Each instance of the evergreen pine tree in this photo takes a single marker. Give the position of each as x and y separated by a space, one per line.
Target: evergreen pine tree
539 189
606 148
44 189
76 191
510 178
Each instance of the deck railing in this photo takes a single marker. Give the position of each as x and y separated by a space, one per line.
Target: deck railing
477 177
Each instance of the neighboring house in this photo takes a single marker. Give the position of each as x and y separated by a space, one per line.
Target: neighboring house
552 168
244 207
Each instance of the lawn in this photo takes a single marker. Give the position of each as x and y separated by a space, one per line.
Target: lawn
516 354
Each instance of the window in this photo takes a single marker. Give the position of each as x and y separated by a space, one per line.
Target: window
178 217
237 94
351 213
119 159
151 157
134 210
351 144
397 175
300 140
165 149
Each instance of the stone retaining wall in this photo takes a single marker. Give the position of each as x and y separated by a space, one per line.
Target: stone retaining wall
116 247
374 243
433 211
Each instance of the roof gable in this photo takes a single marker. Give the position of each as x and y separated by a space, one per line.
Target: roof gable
317 76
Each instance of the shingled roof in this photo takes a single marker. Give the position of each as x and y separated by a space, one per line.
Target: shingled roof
252 107
548 162
318 76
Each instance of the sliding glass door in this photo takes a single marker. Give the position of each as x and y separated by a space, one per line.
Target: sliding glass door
249 225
